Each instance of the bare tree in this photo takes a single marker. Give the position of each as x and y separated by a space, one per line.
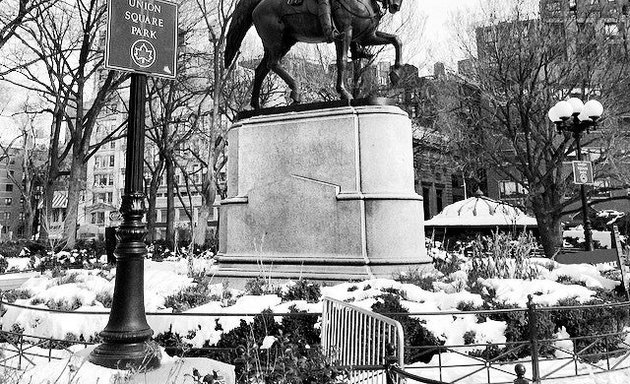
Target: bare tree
498 117
64 66
14 13
216 16
32 166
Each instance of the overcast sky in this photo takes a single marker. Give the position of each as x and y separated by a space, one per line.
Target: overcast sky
444 19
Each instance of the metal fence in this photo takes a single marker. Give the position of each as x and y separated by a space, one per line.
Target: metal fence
594 348
361 340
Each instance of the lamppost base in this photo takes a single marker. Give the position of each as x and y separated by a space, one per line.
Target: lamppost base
142 356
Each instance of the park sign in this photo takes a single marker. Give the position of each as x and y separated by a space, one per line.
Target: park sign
142 37
582 172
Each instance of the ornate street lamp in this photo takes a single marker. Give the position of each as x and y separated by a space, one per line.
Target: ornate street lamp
576 117
126 338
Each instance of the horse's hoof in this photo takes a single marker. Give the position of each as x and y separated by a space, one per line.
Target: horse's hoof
394 75
297 99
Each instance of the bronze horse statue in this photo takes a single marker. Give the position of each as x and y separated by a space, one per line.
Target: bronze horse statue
281 25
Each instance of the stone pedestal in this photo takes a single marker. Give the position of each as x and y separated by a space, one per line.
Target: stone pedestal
325 194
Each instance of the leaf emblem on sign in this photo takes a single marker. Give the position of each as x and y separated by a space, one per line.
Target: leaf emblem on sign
143 53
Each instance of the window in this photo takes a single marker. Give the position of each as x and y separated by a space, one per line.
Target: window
103 197
106 161
6 216
11 173
439 199
8 201
98 218
511 190
9 188
102 180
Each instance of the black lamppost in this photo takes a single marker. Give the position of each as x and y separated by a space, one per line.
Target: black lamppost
126 338
576 117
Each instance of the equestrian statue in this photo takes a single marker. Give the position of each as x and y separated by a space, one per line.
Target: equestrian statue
350 24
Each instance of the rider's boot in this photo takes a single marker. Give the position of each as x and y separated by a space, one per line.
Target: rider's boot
325 18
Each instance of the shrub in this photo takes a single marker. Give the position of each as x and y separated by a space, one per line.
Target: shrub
301 329
303 290
416 335
64 278
568 280
63 305
94 248
264 324
105 298
518 330
418 278
189 297
15 294
259 286
589 325
15 248
450 263
501 257
469 337
286 363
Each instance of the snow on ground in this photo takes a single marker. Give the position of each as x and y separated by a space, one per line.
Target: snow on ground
603 237
544 292
169 277
18 263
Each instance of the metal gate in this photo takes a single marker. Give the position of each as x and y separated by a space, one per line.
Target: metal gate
360 340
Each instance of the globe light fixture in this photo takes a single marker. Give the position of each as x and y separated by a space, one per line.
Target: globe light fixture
564 110
576 117
593 109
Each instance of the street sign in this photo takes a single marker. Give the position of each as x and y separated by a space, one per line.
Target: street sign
582 172
142 37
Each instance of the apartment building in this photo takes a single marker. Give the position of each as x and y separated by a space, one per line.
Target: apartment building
11 213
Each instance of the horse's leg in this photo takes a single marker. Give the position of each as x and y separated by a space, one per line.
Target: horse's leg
274 65
259 76
383 38
342 61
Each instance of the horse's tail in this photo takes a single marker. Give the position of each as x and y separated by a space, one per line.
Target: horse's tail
241 22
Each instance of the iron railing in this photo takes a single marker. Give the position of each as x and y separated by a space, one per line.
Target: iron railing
359 340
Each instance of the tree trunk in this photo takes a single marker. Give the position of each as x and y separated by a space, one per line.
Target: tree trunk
170 202
29 219
208 196
75 186
549 229
154 186
46 216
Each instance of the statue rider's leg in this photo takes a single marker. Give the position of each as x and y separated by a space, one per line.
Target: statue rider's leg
325 18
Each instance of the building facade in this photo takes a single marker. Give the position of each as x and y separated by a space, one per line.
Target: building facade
11 212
